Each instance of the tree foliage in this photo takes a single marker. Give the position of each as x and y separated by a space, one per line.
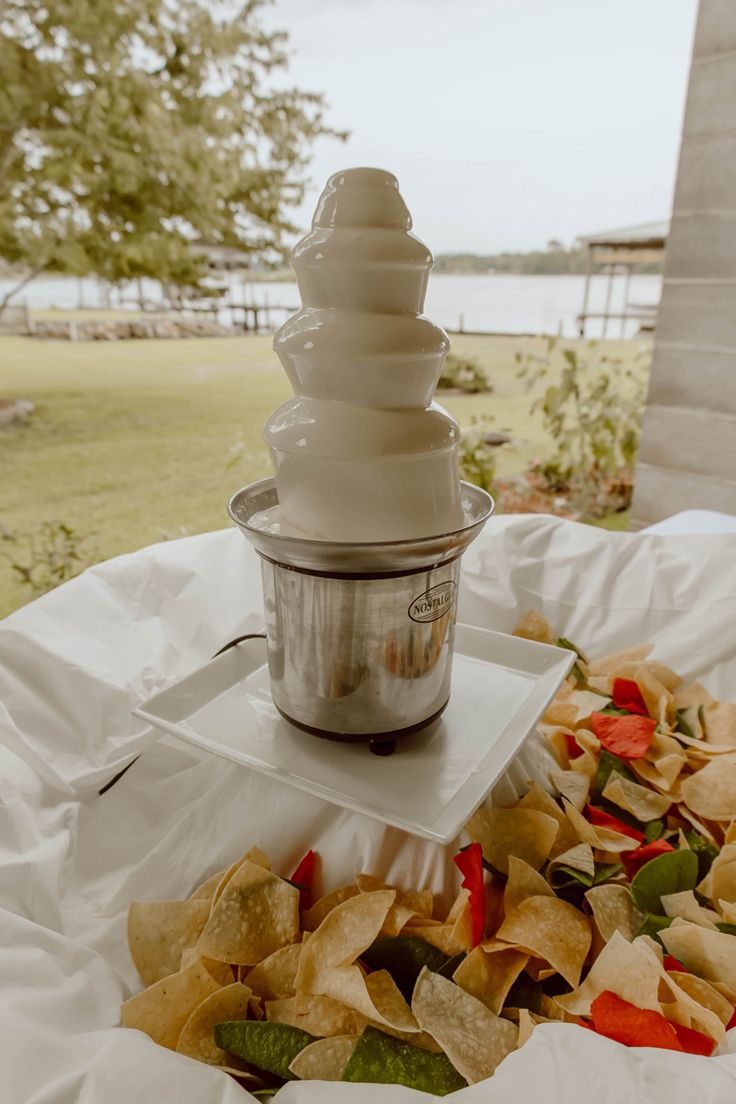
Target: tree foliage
128 129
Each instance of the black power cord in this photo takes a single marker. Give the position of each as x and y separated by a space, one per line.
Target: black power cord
231 644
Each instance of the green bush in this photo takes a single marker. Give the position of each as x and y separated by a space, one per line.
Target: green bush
463 374
48 557
477 456
592 409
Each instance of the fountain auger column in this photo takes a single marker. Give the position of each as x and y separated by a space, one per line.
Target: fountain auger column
361 531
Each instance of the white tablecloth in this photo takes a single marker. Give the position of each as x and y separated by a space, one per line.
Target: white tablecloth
74 663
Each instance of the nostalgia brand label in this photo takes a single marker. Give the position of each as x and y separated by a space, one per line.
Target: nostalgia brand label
432 604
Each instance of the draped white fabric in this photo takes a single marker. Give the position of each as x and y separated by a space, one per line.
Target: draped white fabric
74 663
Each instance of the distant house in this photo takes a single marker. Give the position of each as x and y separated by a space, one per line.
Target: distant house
222 258
616 252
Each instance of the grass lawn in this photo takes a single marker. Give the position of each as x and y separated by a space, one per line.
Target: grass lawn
133 442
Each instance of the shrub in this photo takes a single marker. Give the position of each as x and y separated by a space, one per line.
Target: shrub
477 456
461 373
592 411
48 557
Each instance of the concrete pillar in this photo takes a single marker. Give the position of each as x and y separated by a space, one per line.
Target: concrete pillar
687 458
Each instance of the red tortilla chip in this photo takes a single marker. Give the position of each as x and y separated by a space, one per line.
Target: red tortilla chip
671 963
628 737
627 695
604 820
637 1027
694 1042
634 860
303 879
470 864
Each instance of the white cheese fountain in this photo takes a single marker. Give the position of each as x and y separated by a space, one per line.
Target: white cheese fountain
362 529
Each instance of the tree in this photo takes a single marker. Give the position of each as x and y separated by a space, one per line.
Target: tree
128 129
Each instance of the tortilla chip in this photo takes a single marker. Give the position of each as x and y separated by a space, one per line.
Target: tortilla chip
523 882
527 1022
664 674
540 801
474 1040
158 933
325 1059
557 737
614 910
450 938
375 996
603 839
720 882
162 1010
586 762
274 978
206 891
346 931
709 954
704 993
253 854
574 785
668 756
719 721
526 1027
222 972
326 962
408 904
488 973
631 970
316 1015
686 907
553 930
711 791
694 694
728 911
256 913
314 916
635 799
522 832
586 703
685 1009
611 665
387 1001
654 694
197 1038
579 858
535 627
669 768
560 713
650 774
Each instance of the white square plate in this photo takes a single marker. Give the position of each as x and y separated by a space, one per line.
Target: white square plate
435 779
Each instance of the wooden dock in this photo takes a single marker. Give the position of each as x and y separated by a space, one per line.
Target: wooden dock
252 318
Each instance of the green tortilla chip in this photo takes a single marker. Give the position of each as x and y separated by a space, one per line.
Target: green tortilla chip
404 956
609 763
653 925
381 1059
271 1047
669 873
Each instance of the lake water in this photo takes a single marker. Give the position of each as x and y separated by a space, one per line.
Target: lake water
495 303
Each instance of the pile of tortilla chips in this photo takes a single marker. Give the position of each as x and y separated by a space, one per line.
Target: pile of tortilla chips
610 904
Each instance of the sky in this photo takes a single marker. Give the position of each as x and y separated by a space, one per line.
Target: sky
507 122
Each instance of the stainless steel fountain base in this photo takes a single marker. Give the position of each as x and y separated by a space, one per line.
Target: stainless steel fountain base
360 636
